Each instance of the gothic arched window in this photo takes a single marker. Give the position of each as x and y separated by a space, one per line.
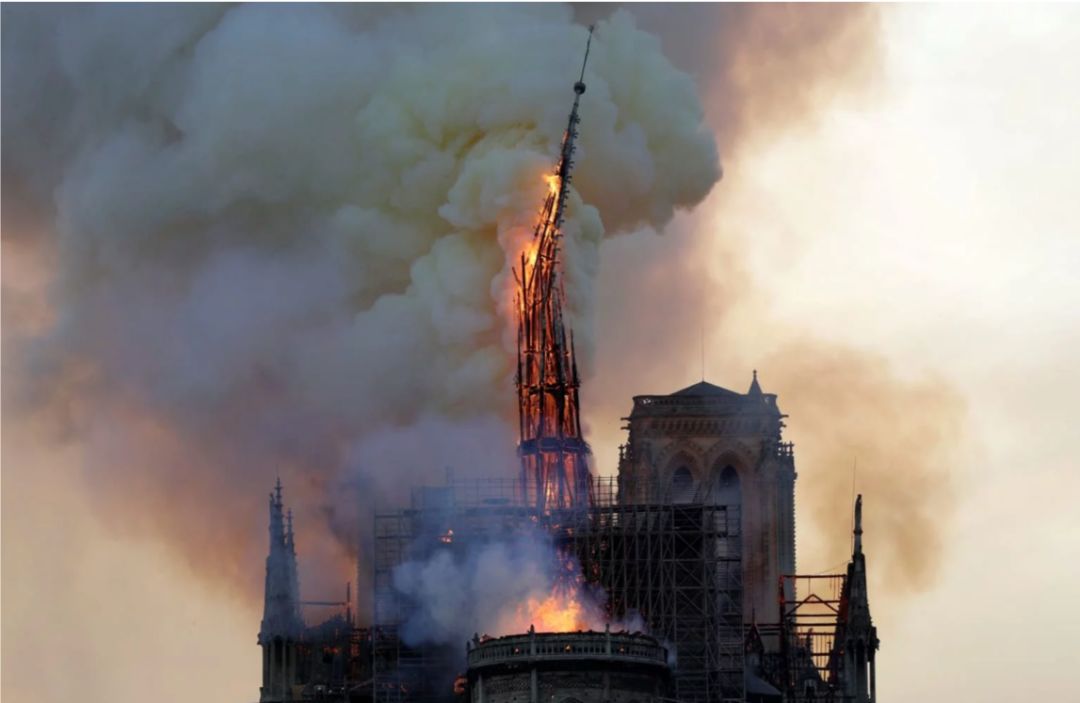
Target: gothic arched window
730 489
725 487
682 485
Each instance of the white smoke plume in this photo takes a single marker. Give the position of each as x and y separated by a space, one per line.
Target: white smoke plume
496 588
277 241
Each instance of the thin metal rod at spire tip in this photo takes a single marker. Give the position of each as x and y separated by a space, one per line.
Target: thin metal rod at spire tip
588 43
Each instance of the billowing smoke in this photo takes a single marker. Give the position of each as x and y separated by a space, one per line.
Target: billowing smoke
458 596
249 241
863 427
277 242
859 422
765 73
499 587
763 68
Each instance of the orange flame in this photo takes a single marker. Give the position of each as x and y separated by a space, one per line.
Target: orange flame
531 247
552 181
567 608
560 611
553 190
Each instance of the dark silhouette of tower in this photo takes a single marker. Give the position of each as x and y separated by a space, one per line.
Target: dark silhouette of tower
857 637
707 444
554 455
282 624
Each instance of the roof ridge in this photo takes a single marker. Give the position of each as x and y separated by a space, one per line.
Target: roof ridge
706 388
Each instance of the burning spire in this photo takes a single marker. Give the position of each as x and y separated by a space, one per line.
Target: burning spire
554 455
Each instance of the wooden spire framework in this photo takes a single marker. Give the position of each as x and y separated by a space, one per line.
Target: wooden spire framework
554 455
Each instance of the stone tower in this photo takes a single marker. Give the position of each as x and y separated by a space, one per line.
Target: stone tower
856 634
707 444
282 623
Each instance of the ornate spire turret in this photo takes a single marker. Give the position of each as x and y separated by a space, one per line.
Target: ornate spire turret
282 623
281 606
857 531
554 455
859 641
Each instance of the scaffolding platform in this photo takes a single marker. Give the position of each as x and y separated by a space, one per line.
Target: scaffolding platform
678 567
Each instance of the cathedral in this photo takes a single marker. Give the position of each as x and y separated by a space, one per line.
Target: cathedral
691 543
696 533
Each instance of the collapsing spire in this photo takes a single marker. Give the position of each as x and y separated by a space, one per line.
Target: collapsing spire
554 455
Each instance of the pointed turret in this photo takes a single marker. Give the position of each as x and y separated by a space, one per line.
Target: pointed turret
282 623
856 551
755 389
281 606
859 641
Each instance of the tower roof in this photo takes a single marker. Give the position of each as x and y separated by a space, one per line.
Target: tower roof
755 388
705 389
704 398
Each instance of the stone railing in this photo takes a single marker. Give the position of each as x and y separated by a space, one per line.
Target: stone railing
555 646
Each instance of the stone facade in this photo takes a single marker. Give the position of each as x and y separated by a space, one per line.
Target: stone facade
707 444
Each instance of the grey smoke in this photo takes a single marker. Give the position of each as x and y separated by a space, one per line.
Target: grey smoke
486 588
458 595
277 241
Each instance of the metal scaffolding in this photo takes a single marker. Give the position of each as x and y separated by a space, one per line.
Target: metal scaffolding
393 535
806 645
677 566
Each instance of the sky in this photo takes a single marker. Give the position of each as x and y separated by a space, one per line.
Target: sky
928 218
936 223
961 218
